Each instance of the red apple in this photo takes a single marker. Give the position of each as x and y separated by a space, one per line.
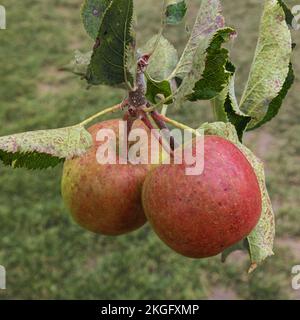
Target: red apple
104 198
200 216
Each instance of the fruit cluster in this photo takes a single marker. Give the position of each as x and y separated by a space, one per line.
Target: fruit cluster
197 216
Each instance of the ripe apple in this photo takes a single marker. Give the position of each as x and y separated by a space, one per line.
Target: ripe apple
200 216
105 198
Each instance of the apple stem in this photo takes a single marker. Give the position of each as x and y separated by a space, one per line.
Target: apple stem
162 125
176 123
130 120
147 122
160 104
101 113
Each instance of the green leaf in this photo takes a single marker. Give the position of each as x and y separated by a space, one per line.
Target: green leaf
276 103
164 59
155 88
218 105
208 21
114 47
270 66
226 106
215 76
44 148
240 246
79 64
213 79
289 17
236 116
175 12
162 63
92 12
261 239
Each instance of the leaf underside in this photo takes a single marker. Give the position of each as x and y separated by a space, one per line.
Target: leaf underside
215 75
276 103
79 64
44 148
164 59
206 37
270 70
162 63
226 105
208 21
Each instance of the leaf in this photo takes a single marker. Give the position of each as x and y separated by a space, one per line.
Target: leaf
235 116
92 12
289 17
192 86
218 105
114 45
44 148
276 103
240 246
261 238
164 59
226 105
79 64
208 21
175 12
270 66
226 109
155 88
162 62
215 76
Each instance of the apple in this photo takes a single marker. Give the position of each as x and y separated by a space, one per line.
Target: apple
199 216
105 198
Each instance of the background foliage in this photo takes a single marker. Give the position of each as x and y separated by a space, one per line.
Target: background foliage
46 255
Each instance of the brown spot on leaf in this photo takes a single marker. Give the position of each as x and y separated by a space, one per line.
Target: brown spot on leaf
97 44
96 12
280 17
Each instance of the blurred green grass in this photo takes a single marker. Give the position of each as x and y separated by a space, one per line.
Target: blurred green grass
47 256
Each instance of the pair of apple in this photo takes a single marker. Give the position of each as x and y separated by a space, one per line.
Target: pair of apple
197 216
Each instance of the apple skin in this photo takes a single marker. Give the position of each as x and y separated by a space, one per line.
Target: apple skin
200 216
104 199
